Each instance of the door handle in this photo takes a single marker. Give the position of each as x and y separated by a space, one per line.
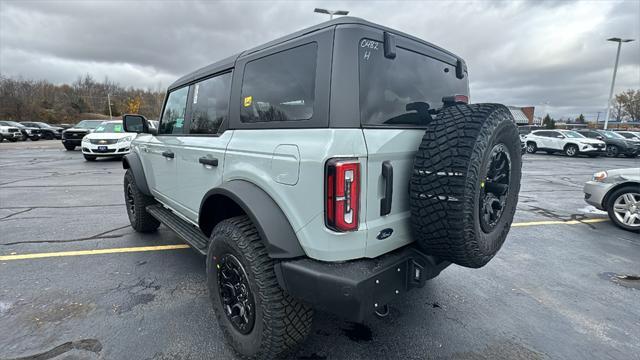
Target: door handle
168 154
387 176
208 161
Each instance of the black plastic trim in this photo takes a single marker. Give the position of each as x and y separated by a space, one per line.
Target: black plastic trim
387 177
354 290
272 224
132 161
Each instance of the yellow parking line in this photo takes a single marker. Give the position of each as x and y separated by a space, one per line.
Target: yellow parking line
185 246
93 252
559 222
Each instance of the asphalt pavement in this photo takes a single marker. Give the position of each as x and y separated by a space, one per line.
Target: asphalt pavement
89 287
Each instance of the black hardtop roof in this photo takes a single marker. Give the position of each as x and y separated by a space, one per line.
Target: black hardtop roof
229 62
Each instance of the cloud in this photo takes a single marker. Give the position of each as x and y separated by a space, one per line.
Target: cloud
551 54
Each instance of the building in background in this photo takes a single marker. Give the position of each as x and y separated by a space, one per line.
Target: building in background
523 115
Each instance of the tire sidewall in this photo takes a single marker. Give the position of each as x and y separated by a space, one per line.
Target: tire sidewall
489 243
611 200
222 243
575 152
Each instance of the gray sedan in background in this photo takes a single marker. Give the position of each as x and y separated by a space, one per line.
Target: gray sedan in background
618 193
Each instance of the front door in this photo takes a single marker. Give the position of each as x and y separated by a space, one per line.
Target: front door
160 152
201 153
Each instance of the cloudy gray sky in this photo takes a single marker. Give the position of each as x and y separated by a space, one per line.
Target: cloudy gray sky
551 54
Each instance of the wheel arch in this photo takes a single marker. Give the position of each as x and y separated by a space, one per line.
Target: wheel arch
238 197
606 199
132 161
570 143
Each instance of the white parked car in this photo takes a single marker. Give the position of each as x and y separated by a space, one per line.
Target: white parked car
108 139
570 142
10 133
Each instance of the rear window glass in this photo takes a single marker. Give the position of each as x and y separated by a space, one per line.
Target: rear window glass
280 87
407 90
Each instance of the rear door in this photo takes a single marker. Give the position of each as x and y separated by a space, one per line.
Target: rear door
398 97
201 151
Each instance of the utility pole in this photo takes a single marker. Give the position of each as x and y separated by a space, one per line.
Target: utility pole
613 81
109 101
331 12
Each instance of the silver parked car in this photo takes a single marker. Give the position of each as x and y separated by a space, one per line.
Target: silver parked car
618 193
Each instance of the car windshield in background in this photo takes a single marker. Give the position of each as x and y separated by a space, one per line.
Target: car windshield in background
88 124
629 136
612 135
12 123
44 125
407 90
572 134
109 128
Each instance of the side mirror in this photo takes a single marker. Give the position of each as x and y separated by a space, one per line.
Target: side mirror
560 137
600 137
135 123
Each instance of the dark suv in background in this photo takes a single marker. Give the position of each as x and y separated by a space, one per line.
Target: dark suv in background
616 143
72 137
48 132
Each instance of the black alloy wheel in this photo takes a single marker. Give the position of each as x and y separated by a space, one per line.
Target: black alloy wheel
612 151
495 188
235 294
131 201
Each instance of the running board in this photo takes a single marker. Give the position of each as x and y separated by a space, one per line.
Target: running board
189 233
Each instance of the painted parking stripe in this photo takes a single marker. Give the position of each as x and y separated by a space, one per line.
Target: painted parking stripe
185 246
94 252
560 222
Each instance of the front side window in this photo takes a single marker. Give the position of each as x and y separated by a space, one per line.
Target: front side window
612 135
210 104
172 121
280 87
407 90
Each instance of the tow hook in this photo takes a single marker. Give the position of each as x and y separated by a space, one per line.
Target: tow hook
383 312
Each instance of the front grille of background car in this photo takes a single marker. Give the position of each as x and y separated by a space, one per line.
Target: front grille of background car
13 130
103 141
73 135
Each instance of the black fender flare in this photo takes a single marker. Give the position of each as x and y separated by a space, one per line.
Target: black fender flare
132 161
273 226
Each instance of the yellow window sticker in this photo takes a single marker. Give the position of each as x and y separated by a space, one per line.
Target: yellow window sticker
248 100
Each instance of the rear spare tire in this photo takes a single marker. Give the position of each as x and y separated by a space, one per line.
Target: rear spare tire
465 183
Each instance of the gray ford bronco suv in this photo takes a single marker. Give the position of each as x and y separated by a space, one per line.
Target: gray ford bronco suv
335 168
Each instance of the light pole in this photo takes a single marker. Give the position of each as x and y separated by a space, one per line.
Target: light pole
613 81
331 12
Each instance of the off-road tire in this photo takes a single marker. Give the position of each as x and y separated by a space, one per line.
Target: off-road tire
140 219
571 150
281 322
448 179
89 157
70 147
532 147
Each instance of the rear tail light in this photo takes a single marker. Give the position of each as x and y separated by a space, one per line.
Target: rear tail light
342 194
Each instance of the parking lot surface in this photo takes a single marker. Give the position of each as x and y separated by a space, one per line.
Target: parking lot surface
77 283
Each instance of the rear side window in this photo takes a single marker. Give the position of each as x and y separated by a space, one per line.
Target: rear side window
280 87
172 121
407 90
210 104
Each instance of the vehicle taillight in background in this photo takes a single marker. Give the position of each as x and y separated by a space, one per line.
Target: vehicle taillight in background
342 190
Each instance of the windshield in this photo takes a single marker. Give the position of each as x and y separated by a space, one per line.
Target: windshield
572 134
44 125
407 90
629 136
612 135
108 127
88 124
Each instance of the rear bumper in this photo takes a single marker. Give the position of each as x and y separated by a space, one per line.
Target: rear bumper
355 289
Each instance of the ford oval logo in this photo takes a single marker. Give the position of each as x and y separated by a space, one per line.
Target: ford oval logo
384 233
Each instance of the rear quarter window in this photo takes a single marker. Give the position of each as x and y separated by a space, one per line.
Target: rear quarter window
407 90
280 87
